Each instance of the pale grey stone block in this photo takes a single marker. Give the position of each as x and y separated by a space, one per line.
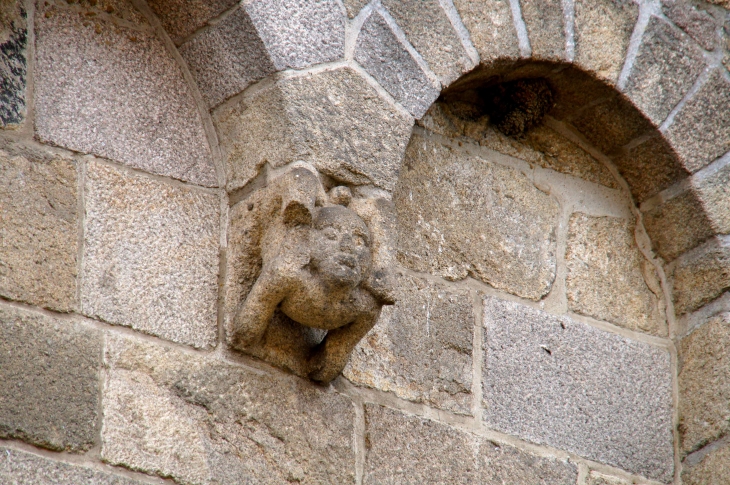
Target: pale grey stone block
413 450
49 381
200 420
387 60
552 380
694 20
545 28
117 94
181 18
13 63
299 33
21 468
150 257
490 27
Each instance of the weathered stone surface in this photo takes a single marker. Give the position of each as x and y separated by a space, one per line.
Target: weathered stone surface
410 449
603 29
713 469
387 60
490 27
701 131
353 7
294 119
544 21
431 33
180 18
460 215
607 275
150 255
595 478
704 384
421 349
701 275
38 228
21 468
666 67
120 9
699 24
13 63
227 57
49 382
299 33
118 94
556 381
200 420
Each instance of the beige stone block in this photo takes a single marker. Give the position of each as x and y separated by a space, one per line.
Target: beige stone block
490 27
712 469
595 478
181 18
544 22
701 275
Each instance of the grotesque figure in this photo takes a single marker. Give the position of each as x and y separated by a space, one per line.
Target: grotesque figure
317 269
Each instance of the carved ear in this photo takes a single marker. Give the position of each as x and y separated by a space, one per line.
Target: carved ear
299 190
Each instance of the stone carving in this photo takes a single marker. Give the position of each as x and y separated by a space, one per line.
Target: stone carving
324 264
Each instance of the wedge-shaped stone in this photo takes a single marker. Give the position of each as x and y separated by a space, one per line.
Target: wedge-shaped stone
332 119
544 22
181 18
49 381
701 275
151 255
200 420
116 92
697 22
460 215
410 449
13 63
552 380
490 27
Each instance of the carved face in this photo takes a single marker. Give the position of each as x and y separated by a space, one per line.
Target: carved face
341 246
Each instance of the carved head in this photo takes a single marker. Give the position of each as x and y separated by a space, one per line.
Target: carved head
340 251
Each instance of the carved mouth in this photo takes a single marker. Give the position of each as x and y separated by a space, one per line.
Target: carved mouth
346 260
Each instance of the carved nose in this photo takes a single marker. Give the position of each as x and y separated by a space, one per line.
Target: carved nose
346 243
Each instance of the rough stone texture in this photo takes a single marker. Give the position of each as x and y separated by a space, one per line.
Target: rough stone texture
704 384
38 228
544 21
299 33
387 60
118 94
701 131
49 382
607 276
714 469
227 57
556 381
180 18
21 468
461 216
353 7
150 256
666 67
595 478
294 119
490 27
700 276
603 29
412 450
696 22
119 9
431 33
199 420
421 349
13 63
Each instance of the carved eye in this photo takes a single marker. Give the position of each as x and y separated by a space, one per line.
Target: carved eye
330 234
359 240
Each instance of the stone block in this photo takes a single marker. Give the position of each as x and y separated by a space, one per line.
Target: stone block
293 119
299 33
701 131
666 67
181 18
490 27
116 92
151 256
196 419
410 449
607 276
39 225
701 275
382 55
13 63
595 478
421 349
712 469
696 22
227 57
460 215
49 381
552 380
429 29
353 7
21 468
119 9
544 22
704 384
603 29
